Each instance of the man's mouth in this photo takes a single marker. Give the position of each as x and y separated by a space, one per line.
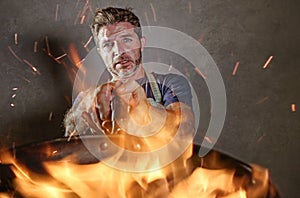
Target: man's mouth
122 64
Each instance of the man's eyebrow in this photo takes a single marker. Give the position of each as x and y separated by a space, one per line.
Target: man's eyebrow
126 35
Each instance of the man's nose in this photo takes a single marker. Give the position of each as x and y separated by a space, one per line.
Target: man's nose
117 49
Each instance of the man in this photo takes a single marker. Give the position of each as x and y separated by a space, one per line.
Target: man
152 107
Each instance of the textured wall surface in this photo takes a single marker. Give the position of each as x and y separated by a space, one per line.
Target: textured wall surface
260 126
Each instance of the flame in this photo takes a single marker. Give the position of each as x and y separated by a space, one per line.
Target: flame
5 195
77 68
182 178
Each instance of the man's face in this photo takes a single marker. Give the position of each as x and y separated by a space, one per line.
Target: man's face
120 49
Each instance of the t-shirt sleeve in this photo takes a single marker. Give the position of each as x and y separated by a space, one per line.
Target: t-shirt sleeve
176 89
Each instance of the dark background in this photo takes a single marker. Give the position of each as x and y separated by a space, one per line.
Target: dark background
260 126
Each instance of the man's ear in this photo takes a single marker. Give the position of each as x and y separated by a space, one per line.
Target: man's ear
143 43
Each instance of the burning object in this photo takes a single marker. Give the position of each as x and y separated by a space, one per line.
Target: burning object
61 168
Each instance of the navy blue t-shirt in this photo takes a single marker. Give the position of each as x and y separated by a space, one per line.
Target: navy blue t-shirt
173 88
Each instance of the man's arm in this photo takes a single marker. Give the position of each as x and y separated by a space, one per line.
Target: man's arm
151 126
156 125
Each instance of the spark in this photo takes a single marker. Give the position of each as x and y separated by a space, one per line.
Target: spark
170 68
24 78
14 95
79 63
16 39
261 137
85 7
153 11
82 19
50 55
32 67
147 19
81 13
268 61
15 89
235 68
56 12
12 104
199 72
47 45
61 56
262 100
14 54
293 107
54 152
88 42
86 48
208 139
50 115
190 7
35 45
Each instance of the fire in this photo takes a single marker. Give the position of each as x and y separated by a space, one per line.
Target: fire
76 67
187 176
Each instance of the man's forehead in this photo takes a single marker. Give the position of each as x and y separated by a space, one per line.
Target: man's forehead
116 29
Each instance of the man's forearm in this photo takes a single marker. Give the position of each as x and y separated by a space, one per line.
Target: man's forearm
176 118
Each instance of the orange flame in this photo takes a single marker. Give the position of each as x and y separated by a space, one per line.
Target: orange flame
182 178
77 68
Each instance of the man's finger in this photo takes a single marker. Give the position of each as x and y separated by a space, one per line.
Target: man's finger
94 114
87 117
102 100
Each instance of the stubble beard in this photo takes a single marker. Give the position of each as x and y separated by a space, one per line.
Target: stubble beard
127 74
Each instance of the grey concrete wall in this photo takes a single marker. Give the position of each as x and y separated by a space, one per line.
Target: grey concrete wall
260 126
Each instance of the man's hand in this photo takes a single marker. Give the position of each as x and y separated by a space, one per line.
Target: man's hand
133 112
90 112
131 104
125 105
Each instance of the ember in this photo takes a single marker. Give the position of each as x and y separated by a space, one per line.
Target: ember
199 72
268 61
153 12
47 45
35 45
56 12
293 107
235 68
32 67
61 56
16 39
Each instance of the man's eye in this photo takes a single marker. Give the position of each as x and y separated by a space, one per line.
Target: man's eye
126 40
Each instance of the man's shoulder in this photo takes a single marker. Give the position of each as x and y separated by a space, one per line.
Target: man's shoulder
167 76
